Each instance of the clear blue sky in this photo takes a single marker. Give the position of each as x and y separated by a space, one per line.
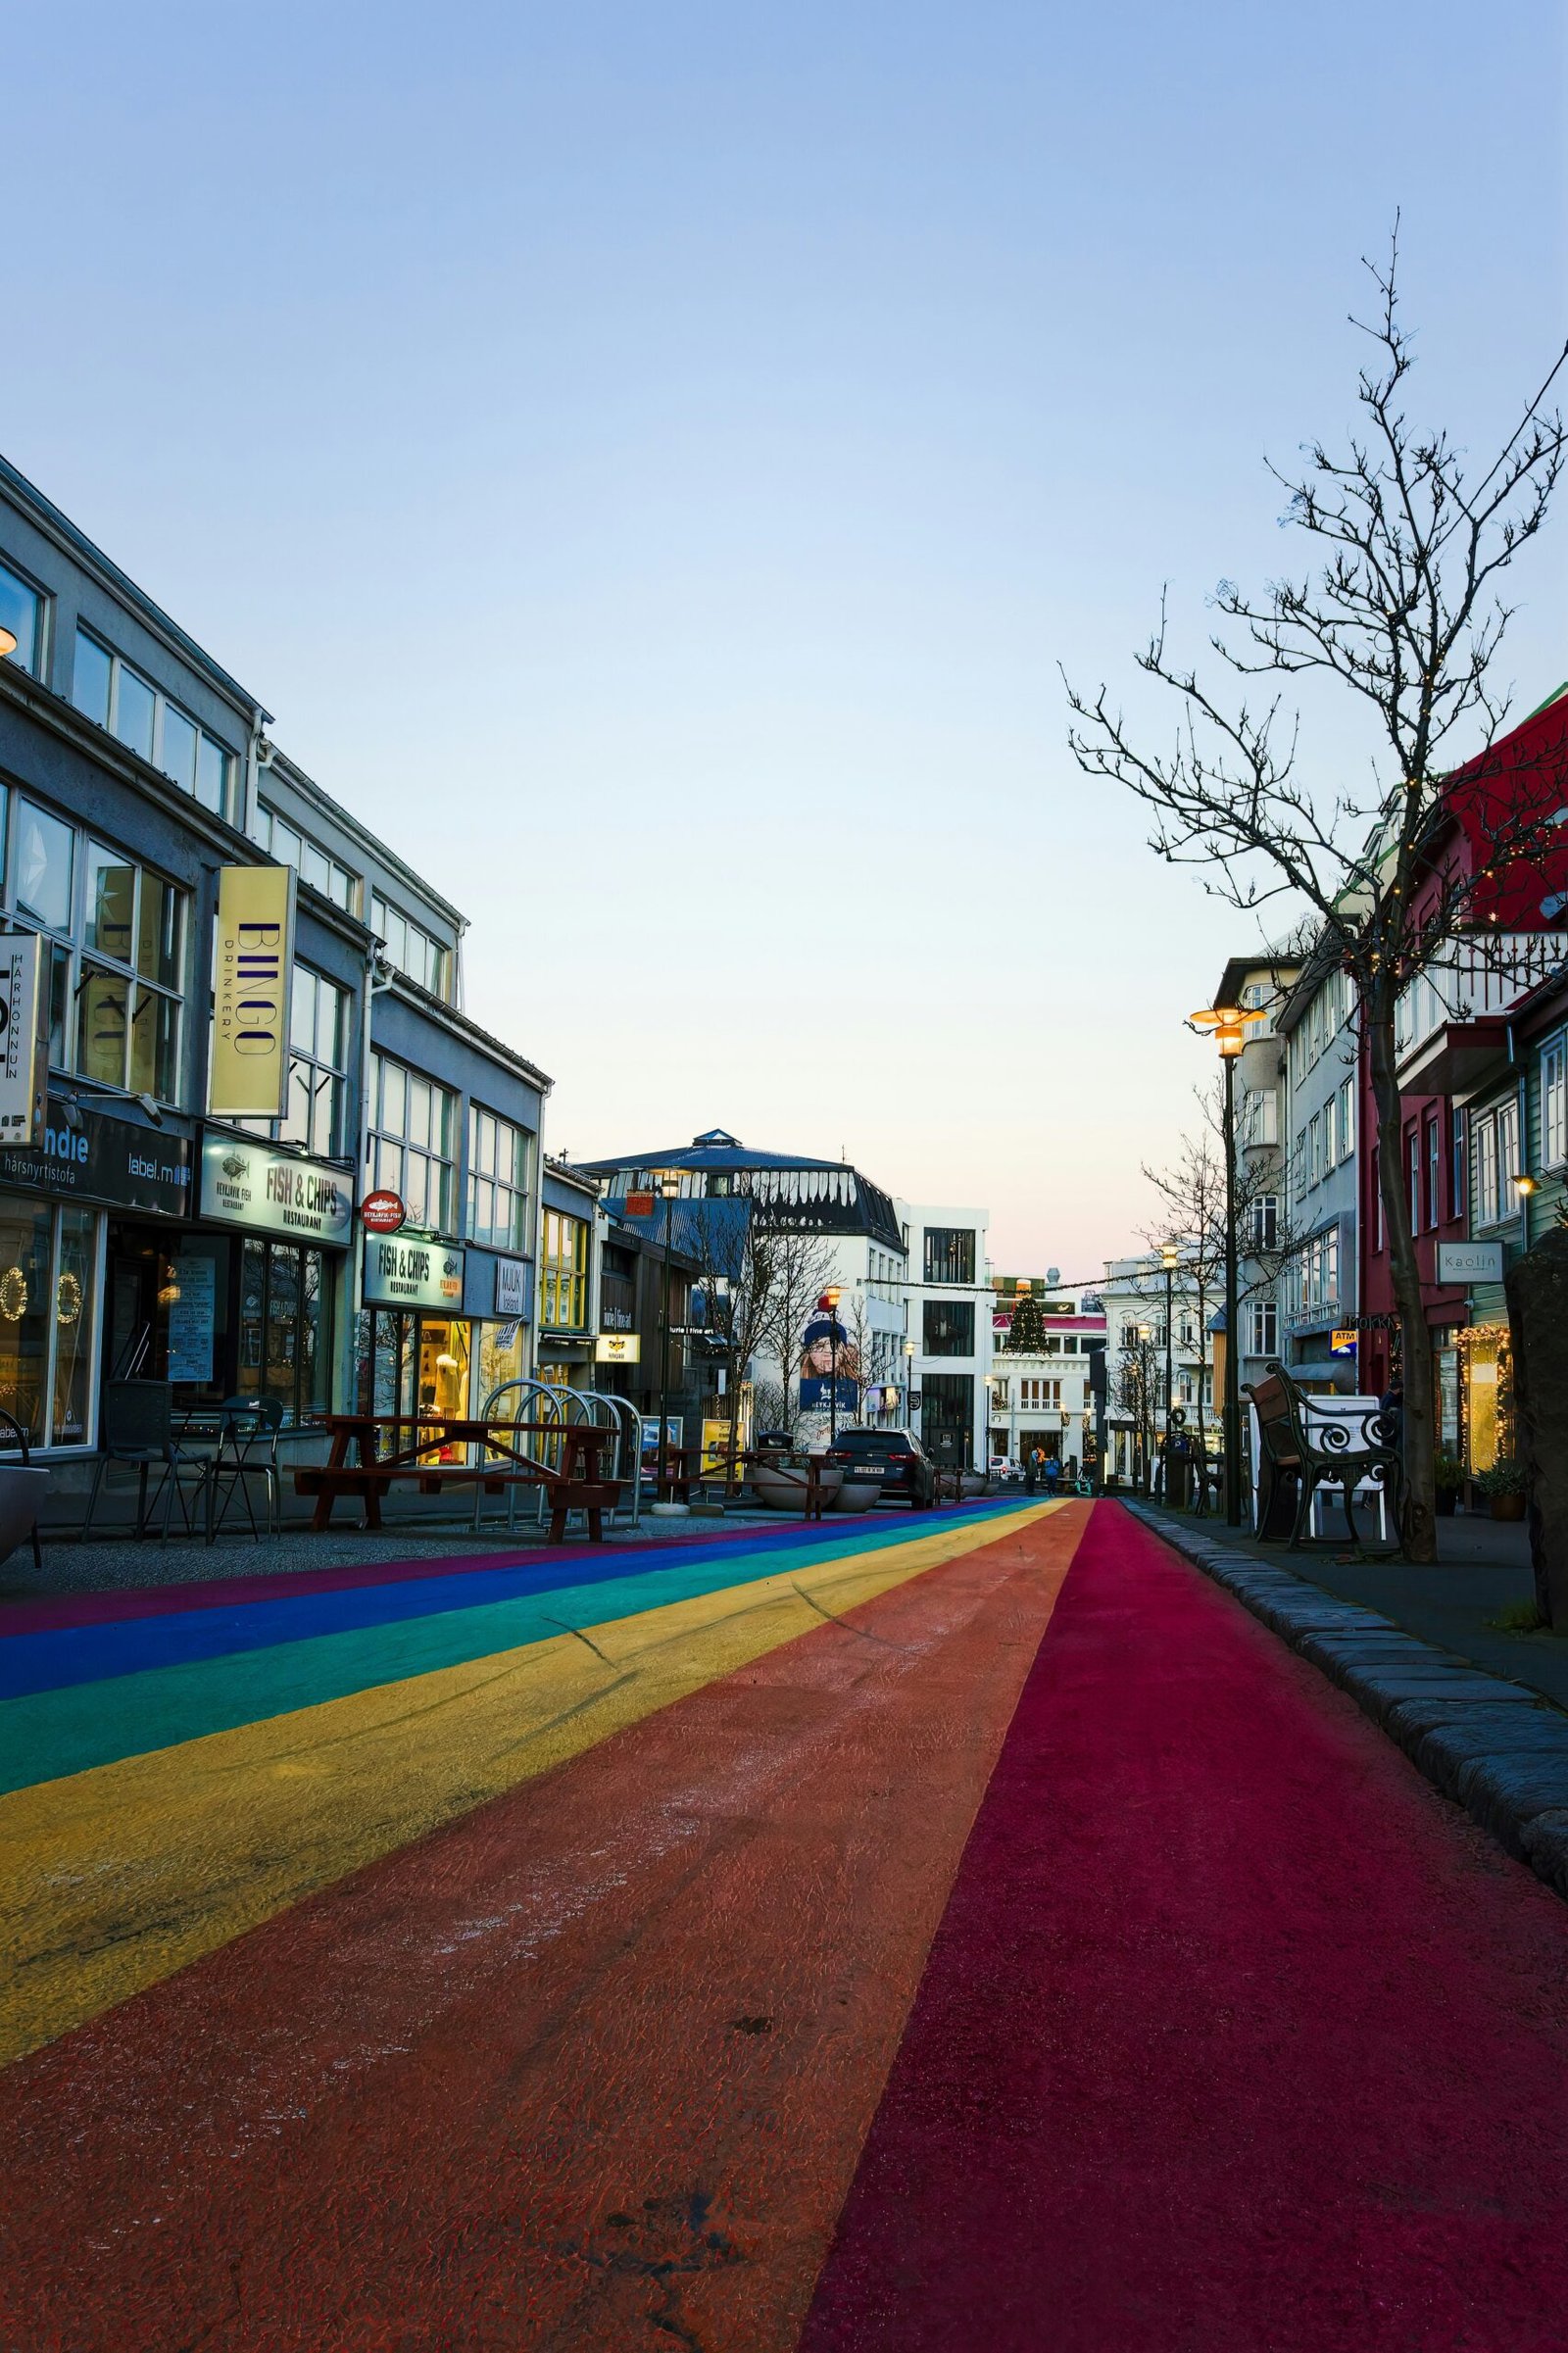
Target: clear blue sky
652 458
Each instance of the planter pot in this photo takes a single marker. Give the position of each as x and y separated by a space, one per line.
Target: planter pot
858 1495
21 1494
1507 1507
1448 1501
972 1483
780 1487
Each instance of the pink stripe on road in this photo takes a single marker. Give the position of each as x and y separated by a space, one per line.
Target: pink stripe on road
1235 2037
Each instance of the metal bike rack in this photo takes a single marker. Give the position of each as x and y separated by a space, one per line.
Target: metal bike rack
554 1402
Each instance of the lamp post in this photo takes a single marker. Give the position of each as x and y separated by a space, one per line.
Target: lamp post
670 1187
1169 1256
830 1301
983 1466
908 1383
1229 1025
1145 1412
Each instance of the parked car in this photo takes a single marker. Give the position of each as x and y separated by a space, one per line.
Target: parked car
896 1457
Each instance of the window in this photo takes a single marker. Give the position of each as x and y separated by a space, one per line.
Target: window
498 1175
948 1327
1330 1153
949 1254
1456 1167
1346 1121
1314 1148
1484 1182
310 861
22 614
1554 1103
318 1060
413 1122
1265 1328
564 1273
107 690
1260 995
1262 1222
1036 1395
412 950
1259 1118
1433 1173
1509 1164
1000 1391
117 969
1412 1177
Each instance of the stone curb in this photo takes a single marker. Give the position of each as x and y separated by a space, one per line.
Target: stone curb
1498 1748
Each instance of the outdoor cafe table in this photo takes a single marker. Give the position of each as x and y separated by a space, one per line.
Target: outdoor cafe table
581 1446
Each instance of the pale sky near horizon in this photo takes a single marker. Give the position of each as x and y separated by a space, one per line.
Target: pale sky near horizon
653 460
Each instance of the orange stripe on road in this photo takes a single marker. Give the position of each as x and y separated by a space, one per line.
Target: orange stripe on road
590 2068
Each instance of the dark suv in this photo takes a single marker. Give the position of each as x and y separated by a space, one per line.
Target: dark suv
895 1458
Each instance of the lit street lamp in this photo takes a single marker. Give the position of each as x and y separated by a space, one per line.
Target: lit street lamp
1229 1026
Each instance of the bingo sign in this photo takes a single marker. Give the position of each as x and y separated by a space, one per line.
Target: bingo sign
413 1274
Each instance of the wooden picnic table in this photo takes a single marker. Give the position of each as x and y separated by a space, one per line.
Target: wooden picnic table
577 1485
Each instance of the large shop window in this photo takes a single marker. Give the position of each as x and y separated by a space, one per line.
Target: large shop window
47 1290
413 1126
949 1254
411 1364
117 963
108 690
286 1327
948 1328
498 1176
564 1273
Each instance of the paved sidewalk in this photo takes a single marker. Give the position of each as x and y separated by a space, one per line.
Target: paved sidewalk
1483 1570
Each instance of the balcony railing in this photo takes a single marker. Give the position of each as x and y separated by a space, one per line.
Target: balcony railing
1474 983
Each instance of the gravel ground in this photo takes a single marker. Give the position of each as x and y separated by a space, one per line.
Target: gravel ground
122 1563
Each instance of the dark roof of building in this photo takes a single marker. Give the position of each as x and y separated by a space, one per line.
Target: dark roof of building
821 1196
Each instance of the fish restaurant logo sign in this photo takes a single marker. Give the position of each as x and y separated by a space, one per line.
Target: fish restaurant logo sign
404 1273
274 1193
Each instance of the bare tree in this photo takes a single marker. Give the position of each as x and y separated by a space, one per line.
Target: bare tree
1403 613
1136 1381
738 1257
802 1264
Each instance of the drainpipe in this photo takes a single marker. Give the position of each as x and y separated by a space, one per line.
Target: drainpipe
378 977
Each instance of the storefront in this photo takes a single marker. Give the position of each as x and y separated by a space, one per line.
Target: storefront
97 1190
259 1291
416 1345
497 1299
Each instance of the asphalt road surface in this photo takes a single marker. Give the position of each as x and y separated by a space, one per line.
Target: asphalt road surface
965 1932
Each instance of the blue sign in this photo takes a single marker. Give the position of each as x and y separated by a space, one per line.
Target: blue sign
816 1389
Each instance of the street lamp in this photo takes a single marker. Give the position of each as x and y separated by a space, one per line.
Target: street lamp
1144 1411
830 1301
984 1464
1170 1257
1228 1022
670 1187
909 1382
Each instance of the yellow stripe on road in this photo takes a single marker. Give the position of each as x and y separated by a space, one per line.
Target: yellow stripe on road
124 1873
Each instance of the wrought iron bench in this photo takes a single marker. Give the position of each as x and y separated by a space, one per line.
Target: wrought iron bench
1304 1449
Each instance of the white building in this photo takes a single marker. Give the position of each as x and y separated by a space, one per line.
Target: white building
1046 1398
1134 1297
947 1335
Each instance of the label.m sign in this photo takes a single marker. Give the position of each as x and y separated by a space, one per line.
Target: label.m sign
255 967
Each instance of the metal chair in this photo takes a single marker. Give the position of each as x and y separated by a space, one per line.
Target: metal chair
251 1427
137 1427
13 1435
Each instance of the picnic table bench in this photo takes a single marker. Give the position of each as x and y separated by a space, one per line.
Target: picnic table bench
576 1486
1303 1447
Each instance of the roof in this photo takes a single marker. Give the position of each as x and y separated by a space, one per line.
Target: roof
715 1149
792 1189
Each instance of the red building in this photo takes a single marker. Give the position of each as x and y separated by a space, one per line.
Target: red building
1455 1025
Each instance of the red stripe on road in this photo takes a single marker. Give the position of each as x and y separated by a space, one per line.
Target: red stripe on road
1233 2036
588 2069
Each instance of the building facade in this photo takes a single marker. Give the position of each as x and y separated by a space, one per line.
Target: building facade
949 1334
1319 1288
1051 1397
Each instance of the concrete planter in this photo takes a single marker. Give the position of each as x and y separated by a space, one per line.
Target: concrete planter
858 1495
780 1487
22 1495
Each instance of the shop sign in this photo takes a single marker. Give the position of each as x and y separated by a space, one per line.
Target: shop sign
619 1348
400 1273
640 1204
254 972
273 1191
382 1212
192 1318
1469 1261
23 1052
103 1160
511 1288
1343 1344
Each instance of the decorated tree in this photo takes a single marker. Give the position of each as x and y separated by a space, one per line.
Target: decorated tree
1026 1334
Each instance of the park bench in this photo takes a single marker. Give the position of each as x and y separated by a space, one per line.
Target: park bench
1307 1445
576 1486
